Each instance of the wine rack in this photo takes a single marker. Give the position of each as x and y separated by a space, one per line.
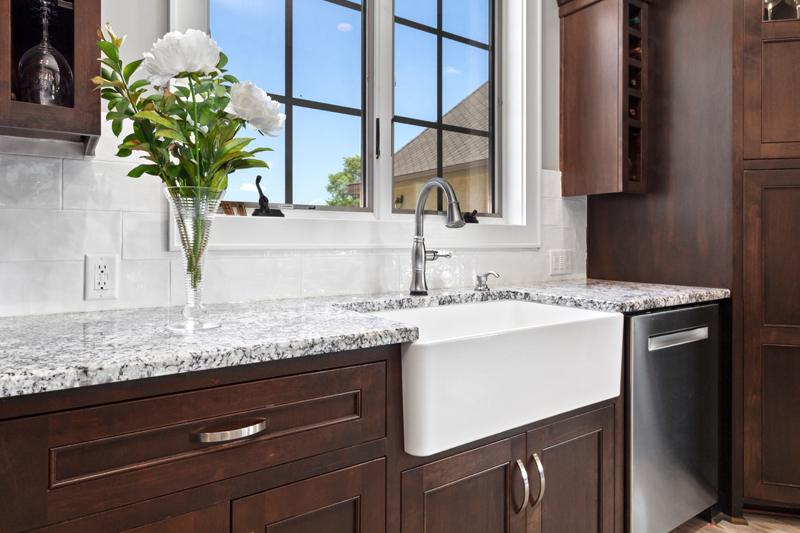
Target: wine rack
604 105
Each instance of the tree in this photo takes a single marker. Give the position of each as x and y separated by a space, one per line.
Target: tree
337 183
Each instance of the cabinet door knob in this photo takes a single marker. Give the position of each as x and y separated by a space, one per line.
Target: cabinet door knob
253 427
541 480
524 474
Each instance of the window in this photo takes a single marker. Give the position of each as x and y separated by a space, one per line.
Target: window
311 55
443 101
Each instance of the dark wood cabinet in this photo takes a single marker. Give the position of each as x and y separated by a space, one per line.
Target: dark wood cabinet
478 491
79 123
215 519
604 58
772 336
345 501
771 71
578 465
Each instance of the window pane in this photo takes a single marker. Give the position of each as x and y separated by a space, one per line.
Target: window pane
415 162
465 85
327 53
323 143
466 167
415 73
242 183
467 18
422 11
252 34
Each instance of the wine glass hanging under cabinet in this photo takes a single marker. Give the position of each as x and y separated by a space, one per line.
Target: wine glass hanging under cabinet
47 59
604 52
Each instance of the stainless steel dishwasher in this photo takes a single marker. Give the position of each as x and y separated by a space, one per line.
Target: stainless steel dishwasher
673 417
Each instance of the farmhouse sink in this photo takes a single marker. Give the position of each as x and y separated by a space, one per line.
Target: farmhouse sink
484 368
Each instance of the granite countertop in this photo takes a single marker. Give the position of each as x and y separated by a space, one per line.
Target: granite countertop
53 352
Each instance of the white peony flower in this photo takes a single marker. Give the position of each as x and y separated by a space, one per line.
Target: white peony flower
175 53
257 109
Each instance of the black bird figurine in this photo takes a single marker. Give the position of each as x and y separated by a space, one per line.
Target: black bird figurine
263 204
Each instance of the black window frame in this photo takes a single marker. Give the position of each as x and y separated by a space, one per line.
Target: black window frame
439 125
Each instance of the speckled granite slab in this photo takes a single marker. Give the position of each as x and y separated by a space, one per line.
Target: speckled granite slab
53 352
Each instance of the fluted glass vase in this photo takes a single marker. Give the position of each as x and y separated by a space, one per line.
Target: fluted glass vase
194 209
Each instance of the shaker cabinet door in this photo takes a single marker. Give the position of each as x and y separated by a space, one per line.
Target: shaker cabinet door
479 491
352 500
577 465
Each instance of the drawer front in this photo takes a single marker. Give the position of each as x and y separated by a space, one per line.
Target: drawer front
72 464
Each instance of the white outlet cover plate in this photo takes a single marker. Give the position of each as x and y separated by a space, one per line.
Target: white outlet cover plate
107 267
560 262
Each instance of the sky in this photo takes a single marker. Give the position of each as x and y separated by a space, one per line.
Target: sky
327 68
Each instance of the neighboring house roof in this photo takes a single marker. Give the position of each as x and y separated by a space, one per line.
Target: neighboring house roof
419 155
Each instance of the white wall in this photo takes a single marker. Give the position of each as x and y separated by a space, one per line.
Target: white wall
56 206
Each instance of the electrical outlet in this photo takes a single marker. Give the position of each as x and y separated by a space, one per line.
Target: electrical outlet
560 262
101 277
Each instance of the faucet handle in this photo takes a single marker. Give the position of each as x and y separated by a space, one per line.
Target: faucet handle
481 285
433 255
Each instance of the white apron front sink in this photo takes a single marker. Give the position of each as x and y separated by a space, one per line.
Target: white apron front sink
484 368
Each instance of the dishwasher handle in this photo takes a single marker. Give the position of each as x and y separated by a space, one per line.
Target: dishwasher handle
668 340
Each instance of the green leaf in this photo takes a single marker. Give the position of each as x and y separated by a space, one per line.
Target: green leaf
143 169
207 117
220 91
117 116
232 79
109 50
158 119
171 134
131 68
114 66
138 84
122 105
124 152
223 60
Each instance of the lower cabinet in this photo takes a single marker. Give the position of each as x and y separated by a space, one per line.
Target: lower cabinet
479 491
577 464
568 468
346 501
215 519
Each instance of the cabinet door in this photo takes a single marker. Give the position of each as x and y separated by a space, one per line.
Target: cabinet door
480 491
577 457
215 519
772 336
771 72
352 500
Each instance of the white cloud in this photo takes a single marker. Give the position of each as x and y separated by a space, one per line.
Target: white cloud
452 70
248 187
345 27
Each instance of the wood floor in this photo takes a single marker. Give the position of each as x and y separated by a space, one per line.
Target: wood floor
758 524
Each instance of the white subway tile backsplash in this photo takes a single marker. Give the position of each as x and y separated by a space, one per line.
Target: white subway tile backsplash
105 186
30 182
551 184
513 267
350 274
551 211
459 271
574 212
241 279
45 235
57 287
146 236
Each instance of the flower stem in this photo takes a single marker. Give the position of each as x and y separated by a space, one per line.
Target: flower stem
196 134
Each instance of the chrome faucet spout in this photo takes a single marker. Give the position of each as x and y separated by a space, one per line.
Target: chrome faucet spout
420 256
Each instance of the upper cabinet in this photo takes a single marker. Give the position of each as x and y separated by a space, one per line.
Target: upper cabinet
47 59
771 74
603 96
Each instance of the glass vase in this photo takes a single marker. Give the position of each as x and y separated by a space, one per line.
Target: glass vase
194 209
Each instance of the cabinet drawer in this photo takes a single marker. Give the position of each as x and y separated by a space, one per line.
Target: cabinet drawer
72 464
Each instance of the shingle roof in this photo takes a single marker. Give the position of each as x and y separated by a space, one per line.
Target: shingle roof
419 155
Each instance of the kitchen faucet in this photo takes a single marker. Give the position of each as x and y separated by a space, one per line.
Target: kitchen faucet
420 256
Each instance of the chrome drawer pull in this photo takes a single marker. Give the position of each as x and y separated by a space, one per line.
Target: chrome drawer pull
217 437
541 480
524 474
659 342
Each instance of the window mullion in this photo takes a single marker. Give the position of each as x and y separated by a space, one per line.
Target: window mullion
440 108
289 128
